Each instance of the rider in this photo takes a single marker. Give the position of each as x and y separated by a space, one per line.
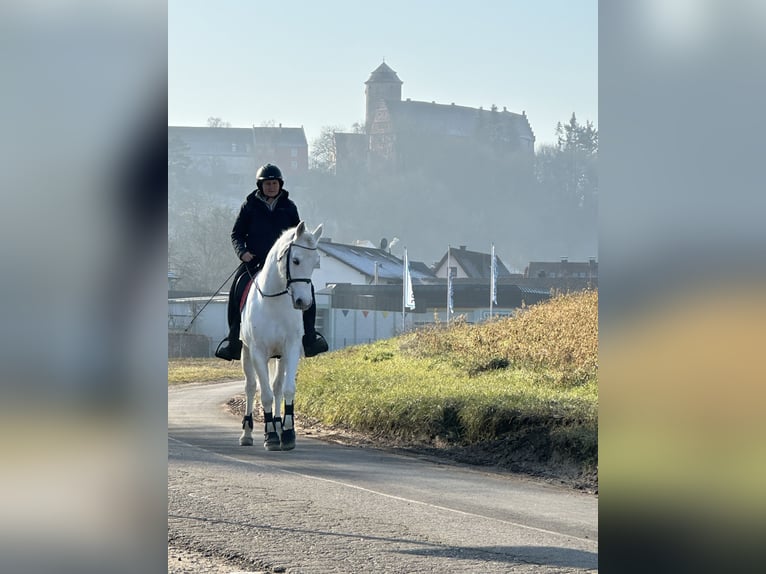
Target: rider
264 215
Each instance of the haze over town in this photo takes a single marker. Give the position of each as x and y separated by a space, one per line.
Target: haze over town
303 63
516 69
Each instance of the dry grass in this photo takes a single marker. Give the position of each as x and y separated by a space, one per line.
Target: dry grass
559 336
203 370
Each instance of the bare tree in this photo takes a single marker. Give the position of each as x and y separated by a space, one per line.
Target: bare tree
199 247
322 156
216 122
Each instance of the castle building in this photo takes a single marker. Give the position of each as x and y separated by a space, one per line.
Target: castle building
395 126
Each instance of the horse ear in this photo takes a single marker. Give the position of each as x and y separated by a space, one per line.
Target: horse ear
300 229
317 232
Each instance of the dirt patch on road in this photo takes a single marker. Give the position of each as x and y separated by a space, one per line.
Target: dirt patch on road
497 456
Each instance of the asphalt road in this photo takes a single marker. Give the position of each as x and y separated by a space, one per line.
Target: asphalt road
326 508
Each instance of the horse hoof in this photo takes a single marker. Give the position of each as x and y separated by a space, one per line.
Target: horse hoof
246 441
288 439
272 441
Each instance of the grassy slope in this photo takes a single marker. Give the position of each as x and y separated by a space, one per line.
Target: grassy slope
530 381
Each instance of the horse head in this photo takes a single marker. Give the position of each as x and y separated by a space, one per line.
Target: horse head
302 259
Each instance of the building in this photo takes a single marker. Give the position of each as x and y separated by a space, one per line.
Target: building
563 269
363 265
470 265
394 125
232 156
285 147
224 154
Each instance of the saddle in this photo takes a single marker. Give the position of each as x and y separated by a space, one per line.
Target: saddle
244 284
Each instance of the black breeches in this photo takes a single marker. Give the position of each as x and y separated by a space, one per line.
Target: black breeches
309 317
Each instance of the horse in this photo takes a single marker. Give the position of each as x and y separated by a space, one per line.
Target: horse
272 332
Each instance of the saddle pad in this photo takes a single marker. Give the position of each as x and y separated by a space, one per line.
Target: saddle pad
246 290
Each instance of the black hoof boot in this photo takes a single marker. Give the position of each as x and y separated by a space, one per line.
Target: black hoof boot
288 439
271 441
288 435
270 436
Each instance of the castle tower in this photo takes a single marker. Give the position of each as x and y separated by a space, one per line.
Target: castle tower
383 84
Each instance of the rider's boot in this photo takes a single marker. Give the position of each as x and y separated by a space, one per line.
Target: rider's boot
230 349
313 342
314 345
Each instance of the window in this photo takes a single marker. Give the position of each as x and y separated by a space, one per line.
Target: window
294 152
294 164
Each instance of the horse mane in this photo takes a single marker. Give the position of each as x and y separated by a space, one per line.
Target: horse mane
287 237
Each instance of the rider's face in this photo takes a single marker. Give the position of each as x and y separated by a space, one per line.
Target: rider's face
270 188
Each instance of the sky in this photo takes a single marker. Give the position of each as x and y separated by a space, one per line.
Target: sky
304 62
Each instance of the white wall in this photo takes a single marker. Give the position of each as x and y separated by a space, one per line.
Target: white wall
333 271
211 322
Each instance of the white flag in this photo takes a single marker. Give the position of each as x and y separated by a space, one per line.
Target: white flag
409 296
493 276
449 283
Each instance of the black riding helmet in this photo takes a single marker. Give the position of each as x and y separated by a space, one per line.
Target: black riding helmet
266 172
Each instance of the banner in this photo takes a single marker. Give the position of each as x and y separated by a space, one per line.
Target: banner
409 295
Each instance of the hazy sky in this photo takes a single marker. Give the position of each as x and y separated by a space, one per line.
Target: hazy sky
304 62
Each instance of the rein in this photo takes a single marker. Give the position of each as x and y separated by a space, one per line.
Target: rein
290 280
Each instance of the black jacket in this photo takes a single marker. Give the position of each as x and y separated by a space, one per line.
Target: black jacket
258 225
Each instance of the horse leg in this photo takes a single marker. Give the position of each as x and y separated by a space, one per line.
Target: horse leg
276 374
270 436
246 439
289 374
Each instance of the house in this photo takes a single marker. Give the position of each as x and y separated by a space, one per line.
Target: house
362 265
562 269
470 265
223 153
233 155
285 147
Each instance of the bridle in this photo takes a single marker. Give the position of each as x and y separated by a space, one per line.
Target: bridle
290 280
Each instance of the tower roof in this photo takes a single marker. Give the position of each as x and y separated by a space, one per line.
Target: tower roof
383 73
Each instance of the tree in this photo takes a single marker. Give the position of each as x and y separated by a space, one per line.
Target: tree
322 157
576 137
199 247
567 178
216 122
570 167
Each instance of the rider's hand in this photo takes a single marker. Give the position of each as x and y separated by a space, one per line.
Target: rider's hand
247 257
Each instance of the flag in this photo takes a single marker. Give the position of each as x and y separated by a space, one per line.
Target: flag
493 275
450 308
409 296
